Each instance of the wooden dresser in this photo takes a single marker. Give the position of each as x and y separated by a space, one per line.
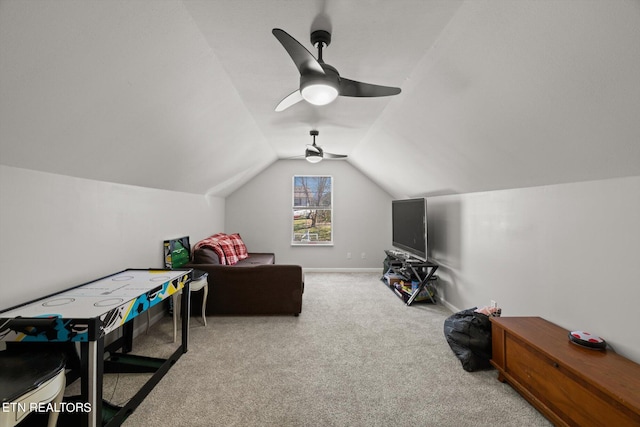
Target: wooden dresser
569 384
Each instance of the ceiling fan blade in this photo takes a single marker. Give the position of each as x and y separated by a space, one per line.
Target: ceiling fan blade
359 89
303 59
334 156
293 98
314 148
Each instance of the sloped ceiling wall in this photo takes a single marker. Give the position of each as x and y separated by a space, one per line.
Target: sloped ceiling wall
516 94
125 91
179 95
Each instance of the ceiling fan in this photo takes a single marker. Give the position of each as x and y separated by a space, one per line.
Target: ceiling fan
320 83
315 153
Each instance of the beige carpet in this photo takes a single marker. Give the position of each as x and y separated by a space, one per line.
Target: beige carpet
356 356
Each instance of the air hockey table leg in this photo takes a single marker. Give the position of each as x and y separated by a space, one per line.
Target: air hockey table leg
186 314
91 381
127 333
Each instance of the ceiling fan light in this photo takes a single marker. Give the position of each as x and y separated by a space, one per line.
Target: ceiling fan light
313 157
319 93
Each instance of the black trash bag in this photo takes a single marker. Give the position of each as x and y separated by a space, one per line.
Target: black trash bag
469 336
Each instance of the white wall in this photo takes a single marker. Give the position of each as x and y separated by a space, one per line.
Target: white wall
568 253
261 212
57 231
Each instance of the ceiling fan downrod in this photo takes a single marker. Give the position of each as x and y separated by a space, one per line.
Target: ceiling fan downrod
320 39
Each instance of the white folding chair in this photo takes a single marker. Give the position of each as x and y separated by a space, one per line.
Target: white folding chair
29 380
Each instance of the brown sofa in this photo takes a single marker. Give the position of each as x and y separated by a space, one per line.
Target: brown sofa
253 286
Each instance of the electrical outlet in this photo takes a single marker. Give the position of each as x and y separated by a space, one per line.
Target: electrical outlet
494 304
363 255
348 255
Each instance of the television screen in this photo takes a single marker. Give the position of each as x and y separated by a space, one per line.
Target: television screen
409 226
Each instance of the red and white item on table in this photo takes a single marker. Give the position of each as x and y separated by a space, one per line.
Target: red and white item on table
587 339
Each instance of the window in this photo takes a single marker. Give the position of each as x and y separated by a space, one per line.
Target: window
312 210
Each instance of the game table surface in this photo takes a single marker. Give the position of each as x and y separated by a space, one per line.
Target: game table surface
114 299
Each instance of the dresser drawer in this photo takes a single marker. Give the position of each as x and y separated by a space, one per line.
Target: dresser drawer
570 398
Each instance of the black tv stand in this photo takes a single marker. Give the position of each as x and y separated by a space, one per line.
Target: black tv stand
405 266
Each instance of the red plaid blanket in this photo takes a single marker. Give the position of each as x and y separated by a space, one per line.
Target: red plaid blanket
229 248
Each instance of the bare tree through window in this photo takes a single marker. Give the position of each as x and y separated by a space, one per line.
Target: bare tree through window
312 210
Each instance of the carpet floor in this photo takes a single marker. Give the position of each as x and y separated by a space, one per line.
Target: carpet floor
356 356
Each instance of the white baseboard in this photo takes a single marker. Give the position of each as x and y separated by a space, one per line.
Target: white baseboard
449 306
342 270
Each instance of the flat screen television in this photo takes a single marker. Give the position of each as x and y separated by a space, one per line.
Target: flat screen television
409 226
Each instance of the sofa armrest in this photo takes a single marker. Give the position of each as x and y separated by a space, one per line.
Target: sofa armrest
259 289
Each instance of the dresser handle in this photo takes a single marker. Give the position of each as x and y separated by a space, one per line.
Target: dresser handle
555 365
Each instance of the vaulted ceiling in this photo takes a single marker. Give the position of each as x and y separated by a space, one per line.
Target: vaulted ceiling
180 95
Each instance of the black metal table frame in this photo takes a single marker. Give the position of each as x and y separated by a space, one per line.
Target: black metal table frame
125 343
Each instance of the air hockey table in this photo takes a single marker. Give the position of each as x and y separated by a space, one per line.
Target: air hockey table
85 314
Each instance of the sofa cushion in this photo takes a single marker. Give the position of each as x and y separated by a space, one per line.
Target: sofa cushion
205 255
257 259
